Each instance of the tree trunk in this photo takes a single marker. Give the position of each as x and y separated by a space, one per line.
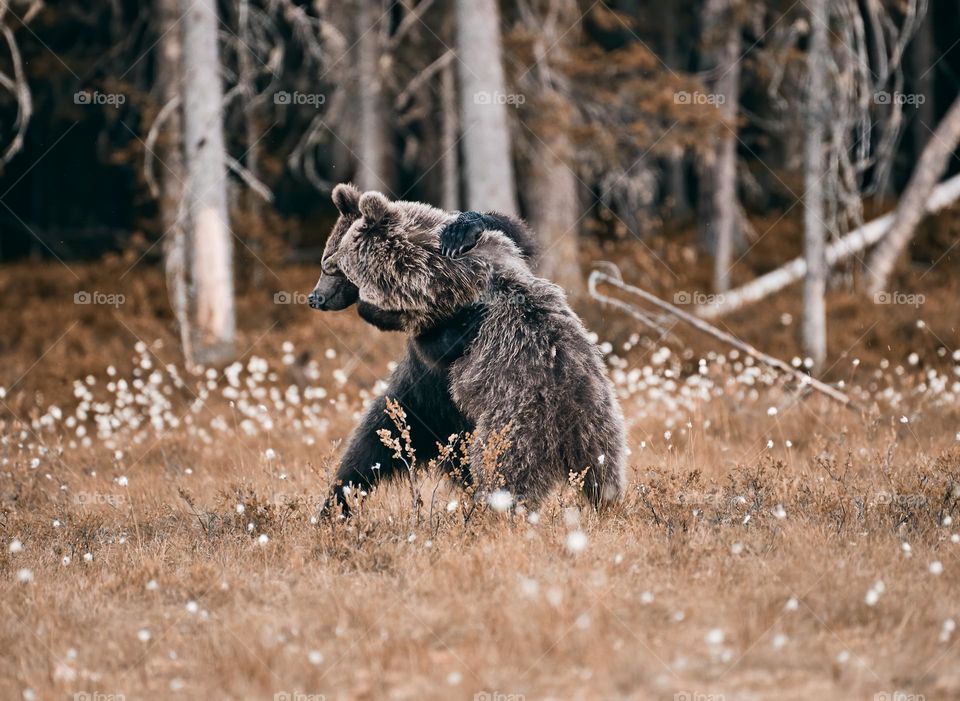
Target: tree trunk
922 59
210 239
373 142
719 17
172 171
910 209
814 228
554 211
675 180
486 136
448 140
251 123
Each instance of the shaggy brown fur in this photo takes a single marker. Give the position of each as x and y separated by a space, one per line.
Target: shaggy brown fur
531 366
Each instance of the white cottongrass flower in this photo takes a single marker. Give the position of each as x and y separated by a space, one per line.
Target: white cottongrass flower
779 512
24 575
315 657
792 604
946 631
936 568
192 607
88 557
143 635
270 454
873 594
646 597
529 587
779 641
714 637
263 539
576 542
15 547
454 678
500 500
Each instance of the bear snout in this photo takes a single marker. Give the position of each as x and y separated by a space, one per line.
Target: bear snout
316 300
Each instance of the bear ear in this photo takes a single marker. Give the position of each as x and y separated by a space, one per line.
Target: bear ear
374 207
347 198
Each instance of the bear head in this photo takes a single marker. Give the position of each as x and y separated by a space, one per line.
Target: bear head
333 290
392 254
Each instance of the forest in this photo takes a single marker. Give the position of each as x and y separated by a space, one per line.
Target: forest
753 207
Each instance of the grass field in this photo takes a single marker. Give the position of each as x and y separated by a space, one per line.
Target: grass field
160 537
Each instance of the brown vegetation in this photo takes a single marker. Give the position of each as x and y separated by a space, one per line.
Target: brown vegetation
744 562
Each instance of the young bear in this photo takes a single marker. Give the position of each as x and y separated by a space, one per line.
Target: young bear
529 367
418 383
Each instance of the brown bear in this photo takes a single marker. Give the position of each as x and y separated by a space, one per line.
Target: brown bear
528 367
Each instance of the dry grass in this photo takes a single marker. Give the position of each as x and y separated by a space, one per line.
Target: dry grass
741 565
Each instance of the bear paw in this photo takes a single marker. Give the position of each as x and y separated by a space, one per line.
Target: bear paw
461 234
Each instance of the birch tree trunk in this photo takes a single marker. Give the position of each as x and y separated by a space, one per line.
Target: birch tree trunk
814 229
172 171
486 137
911 207
209 237
373 142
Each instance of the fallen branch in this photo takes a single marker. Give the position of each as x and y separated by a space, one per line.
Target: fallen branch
945 194
598 276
